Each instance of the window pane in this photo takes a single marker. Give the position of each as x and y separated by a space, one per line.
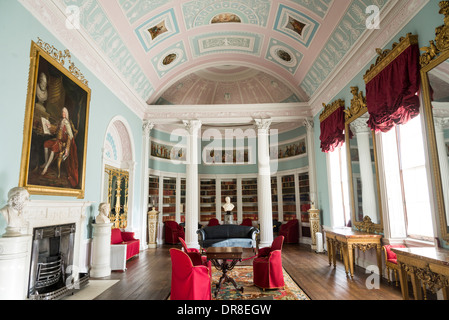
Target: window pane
419 219
416 189
393 184
339 187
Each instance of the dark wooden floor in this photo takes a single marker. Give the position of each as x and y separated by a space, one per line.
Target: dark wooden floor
148 277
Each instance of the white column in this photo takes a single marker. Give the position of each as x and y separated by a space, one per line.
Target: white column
239 201
192 186
311 155
264 183
146 130
369 202
101 250
440 124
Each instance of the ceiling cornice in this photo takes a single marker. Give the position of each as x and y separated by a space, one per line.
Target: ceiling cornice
229 114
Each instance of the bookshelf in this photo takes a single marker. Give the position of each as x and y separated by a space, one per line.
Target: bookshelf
153 192
229 189
249 198
304 202
169 199
288 197
182 209
274 198
207 199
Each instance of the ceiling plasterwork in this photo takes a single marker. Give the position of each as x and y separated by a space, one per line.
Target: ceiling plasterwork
187 52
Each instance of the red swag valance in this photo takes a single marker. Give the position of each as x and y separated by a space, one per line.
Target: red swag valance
392 95
332 124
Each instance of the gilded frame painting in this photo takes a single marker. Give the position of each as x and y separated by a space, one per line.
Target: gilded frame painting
56 125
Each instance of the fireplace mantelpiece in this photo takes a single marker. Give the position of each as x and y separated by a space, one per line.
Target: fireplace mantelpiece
41 213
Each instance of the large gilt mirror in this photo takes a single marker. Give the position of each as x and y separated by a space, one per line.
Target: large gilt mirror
363 175
435 83
118 181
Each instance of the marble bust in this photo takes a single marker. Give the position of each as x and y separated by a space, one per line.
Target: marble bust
12 211
103 216
228 206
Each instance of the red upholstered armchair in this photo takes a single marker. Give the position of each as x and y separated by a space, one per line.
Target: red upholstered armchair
267 266
195 256
391 261
189 281
290 231
213 222
173 231
247 222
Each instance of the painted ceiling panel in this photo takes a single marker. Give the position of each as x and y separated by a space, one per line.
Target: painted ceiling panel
160 47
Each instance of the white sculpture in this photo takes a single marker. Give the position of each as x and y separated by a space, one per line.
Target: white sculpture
228 206
12 212
103 216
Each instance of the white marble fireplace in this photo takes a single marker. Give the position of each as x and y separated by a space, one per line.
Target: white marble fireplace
18 251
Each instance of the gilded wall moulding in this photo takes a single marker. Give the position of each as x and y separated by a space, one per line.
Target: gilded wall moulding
358 104
330 108
441 42
60 57
385 57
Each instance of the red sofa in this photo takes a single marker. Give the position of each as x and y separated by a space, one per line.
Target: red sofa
290 231
123 237
173 231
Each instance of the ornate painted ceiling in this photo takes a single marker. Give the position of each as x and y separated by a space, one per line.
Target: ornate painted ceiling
203 52
161 45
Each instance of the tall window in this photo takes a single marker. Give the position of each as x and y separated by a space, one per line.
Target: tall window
339 189
406 182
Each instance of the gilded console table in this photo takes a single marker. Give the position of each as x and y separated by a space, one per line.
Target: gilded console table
346 239
430 266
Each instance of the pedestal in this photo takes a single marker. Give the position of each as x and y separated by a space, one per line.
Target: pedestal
314 220
228 219
152 228
101 250
14 267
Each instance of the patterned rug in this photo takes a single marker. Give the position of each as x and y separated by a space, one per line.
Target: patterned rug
243 275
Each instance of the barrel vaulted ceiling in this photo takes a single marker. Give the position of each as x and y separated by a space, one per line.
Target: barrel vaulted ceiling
207 52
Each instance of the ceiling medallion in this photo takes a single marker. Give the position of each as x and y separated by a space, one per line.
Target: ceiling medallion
295 25
226 18
169 59
157 30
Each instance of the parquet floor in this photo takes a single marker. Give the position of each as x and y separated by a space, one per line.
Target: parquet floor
148 277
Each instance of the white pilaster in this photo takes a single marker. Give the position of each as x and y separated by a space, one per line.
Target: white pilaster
264 183
192 186
369 202
146 130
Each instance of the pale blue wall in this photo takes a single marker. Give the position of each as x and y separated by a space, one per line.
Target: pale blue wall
17 29
423 24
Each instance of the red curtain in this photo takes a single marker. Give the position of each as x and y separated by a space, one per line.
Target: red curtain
392 95
332 130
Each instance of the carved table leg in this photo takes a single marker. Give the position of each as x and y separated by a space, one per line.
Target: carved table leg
404 282
351 260
417 292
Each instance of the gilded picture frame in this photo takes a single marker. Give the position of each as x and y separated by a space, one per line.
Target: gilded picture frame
56 125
